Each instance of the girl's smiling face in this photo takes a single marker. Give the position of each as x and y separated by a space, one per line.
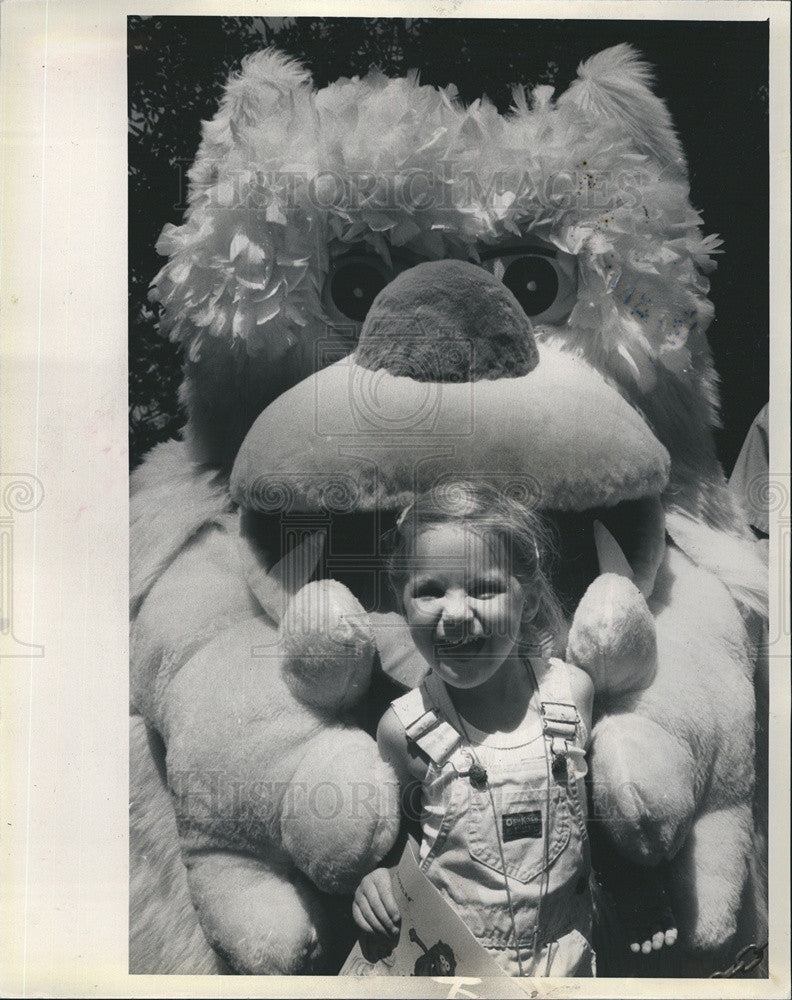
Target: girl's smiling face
463 604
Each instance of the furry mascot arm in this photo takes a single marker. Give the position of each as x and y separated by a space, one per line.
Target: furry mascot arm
272 794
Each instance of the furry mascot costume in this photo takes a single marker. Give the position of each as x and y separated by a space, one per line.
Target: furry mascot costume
315 219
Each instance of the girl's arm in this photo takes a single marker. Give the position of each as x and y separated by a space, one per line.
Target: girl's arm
404 757
374 907
410 765
582 694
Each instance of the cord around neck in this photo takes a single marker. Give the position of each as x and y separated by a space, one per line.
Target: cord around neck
527 731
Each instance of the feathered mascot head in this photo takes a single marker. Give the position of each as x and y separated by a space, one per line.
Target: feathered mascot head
305 204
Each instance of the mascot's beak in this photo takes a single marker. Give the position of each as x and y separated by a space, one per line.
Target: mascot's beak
448 382
447 321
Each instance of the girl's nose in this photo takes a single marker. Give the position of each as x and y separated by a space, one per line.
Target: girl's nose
456 615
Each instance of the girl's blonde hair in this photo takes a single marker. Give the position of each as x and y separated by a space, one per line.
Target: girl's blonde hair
514 528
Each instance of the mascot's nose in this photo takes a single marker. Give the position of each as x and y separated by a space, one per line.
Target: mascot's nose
447 321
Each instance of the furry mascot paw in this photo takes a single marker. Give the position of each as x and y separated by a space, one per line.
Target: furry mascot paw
345 349
613 637
328 647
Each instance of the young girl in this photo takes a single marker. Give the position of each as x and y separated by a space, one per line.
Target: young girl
494 737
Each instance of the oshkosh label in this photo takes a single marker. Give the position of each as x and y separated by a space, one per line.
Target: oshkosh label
519 825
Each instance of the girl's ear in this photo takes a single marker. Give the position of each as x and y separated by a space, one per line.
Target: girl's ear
396 587
530 605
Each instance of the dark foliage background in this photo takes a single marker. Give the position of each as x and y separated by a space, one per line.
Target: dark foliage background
712 74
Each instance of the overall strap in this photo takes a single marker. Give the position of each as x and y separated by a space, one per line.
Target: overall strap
561 720
425 726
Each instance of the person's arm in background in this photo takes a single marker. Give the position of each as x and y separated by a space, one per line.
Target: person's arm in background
750 475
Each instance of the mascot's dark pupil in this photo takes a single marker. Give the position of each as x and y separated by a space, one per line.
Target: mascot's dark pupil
533 282
354 287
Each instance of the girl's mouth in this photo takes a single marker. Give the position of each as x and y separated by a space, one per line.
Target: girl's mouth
468 646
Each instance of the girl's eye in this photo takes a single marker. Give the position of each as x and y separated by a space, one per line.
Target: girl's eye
545 285
354 282
431 590
484 593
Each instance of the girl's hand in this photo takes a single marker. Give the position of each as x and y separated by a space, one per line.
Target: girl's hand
374 907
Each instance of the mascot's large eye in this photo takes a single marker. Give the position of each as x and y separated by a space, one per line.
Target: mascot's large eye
534 282
543 282
354 282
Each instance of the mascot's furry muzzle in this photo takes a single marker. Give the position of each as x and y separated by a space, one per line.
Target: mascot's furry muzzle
434 398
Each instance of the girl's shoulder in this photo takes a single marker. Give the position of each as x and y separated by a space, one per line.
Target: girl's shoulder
391 734
567 678
579 681
564 674
397 749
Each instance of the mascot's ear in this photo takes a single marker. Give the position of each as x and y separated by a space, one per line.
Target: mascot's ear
616 84
261 96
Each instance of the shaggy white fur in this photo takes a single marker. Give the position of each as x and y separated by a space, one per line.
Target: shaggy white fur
242 759
167 937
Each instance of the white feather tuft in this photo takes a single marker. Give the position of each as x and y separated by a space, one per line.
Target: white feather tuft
616 84
269 67
519 100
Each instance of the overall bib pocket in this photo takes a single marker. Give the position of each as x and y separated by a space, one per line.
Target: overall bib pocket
523 828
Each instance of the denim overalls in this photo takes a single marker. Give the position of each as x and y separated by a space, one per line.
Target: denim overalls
534 791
